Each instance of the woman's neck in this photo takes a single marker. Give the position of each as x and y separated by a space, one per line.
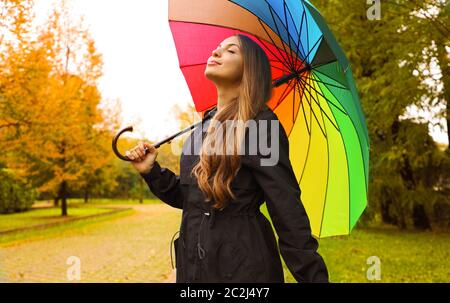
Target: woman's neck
226 95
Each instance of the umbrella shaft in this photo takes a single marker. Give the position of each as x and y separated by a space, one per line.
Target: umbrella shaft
286 78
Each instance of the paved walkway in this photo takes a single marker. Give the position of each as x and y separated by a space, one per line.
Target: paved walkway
134 248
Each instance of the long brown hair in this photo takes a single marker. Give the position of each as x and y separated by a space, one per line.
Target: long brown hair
215 172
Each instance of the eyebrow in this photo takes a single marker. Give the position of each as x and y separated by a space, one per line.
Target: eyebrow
230 44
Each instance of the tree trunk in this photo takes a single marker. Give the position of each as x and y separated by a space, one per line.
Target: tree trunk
385 215
86 194
56 201
64 198
420 218
385 206
405 170
401 223
63 188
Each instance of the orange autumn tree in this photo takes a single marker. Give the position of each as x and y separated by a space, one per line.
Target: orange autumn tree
80 147
16 48
55 83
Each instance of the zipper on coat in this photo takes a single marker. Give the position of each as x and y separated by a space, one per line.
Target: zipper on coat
200 250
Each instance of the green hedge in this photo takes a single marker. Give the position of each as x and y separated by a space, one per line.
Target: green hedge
15 194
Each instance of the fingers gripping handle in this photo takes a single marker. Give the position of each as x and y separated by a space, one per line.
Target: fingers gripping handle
114 144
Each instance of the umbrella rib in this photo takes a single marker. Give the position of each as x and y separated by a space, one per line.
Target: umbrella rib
300 94
300 33
330 84
297 50
278 30
321 110
288 86
324 63
328 171
318 71
318 104
282 95
293 108
304 115
309 52
289 40
331 102
284 61
307 34
279 68
310 106
309 139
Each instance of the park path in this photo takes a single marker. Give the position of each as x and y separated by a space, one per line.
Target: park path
133 248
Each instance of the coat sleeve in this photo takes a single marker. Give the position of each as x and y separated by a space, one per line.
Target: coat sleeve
282 195
165 185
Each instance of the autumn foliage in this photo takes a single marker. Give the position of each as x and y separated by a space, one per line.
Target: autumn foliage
53 130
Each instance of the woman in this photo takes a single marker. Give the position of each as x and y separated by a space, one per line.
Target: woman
223 235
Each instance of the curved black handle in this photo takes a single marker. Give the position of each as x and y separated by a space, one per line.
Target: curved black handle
157 145
114 143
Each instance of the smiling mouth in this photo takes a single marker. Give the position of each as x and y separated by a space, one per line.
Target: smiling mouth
213 63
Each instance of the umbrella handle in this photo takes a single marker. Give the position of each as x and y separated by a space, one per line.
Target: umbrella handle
157 145
114 143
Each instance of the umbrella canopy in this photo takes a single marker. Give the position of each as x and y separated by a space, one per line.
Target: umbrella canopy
314 97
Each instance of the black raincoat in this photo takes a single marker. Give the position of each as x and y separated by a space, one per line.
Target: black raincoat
237 244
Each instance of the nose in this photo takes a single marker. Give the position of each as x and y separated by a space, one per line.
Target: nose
215 52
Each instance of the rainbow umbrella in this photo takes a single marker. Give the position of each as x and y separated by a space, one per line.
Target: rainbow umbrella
315 96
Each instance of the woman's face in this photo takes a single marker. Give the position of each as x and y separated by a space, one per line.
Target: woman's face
229 66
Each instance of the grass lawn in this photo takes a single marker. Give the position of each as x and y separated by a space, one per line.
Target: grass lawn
65 229
404 256
40 216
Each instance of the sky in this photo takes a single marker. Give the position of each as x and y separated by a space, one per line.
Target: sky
140 62
141 66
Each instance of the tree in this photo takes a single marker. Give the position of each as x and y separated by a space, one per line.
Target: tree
50 87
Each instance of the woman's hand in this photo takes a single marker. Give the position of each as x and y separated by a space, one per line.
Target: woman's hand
141 161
